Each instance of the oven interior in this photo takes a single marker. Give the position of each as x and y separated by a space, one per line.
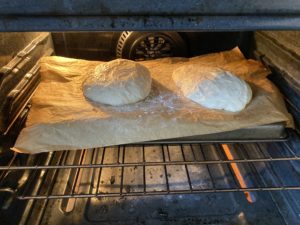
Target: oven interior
207 182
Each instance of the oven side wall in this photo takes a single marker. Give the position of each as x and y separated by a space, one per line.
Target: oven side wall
12 42
280 51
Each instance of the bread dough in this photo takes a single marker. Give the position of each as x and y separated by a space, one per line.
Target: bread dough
118 82
212 87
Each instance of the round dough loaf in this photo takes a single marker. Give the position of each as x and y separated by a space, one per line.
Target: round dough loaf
118 82
212 87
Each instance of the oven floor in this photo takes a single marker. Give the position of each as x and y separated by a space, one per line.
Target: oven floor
166 210
274 208
189 209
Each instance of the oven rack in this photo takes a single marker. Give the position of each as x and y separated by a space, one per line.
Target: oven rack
141 170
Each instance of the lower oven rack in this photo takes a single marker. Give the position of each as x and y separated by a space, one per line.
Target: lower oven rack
141 170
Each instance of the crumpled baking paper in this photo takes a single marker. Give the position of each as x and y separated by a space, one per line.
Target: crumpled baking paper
61 118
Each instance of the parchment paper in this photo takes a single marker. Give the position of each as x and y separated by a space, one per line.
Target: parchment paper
62 119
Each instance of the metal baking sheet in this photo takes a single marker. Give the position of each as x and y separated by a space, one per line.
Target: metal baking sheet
269 132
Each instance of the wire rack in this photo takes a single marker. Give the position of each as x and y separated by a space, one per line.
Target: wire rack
156 170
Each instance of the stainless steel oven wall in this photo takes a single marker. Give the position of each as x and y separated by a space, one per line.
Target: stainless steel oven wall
19 54
109 45
86 45
12 43
280 51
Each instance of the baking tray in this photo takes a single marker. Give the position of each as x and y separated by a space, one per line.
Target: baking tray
270 132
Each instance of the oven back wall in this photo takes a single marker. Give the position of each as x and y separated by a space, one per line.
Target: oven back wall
104 46
86 45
